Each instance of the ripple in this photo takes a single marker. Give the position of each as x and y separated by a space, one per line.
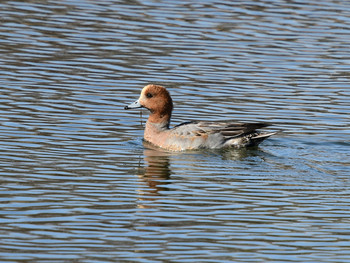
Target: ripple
78 184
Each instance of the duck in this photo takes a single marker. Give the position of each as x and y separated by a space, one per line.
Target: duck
192 135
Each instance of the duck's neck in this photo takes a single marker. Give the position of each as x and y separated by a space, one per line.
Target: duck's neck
159 121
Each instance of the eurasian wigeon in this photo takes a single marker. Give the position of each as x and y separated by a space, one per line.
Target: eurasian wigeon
194 134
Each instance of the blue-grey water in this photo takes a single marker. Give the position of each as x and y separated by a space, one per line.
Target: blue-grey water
77 183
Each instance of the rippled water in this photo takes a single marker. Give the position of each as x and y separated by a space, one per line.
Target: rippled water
78 185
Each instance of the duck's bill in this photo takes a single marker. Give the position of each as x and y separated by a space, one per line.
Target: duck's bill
134 105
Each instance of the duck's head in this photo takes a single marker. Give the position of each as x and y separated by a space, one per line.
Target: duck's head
156 99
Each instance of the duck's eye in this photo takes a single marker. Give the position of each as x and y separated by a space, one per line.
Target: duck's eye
149 95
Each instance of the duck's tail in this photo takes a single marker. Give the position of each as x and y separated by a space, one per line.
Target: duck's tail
248 140
257 138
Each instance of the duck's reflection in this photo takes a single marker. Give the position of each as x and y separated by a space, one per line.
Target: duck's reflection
156 172
155 175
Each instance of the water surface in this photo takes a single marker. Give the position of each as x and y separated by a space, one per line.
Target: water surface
77 183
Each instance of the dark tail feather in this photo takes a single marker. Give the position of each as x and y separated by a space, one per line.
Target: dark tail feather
255 140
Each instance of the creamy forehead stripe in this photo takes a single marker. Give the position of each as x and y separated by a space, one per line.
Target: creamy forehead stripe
145 89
